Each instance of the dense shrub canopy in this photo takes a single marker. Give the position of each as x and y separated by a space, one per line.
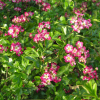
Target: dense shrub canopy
49 49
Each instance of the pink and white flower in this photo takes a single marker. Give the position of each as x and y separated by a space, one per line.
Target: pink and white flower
68 58
68 48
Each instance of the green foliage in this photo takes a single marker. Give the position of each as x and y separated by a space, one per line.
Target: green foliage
21 75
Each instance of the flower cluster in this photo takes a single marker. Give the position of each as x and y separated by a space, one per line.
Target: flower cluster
94 1
80 23
5 17
45 5
3 48
90 73
17 1
40 87
50 75
73 52
16 47
67 91
14 30
1 32
42 32
82 9
2 4
17 9
98 4
22 18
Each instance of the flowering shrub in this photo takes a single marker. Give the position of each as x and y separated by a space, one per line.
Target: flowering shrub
2 4
91 73
49 49
22 18
80 23
14 30
42 32
79 52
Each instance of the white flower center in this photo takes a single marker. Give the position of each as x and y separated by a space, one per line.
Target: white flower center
46 76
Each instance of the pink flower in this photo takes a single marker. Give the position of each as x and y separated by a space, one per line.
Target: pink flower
30 35
92 74
14 30
85 78
53 74
1 47
79 14
19 53
47 25
68 58
37 90
79 44
17 9
75 27
74 51
86 53
41 26
86 70
68 48
72 63
56 80
5 48
31 13
77 54
16 47
74 19
82 59
45 76
54 67
82 50
26 14
46 36
10 31
33 47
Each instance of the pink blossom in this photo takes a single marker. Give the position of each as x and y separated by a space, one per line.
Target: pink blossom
16 47
68 58
74 51
82 59
79 44
68 48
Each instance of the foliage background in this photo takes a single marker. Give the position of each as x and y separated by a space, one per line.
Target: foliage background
17 72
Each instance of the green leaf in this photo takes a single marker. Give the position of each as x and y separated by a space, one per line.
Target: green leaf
55 46
62 70
96 20
37 63
56 34
90 88
64 28
40 45
37 77
29 58
48 43
48 52
6 57
65 5
23 75
36 54
30 50
63 20
95 89
82 64
65 80
60 42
